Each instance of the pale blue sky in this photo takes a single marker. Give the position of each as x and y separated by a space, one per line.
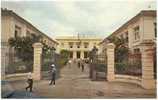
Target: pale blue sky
58 18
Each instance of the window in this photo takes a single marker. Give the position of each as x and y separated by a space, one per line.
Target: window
28 33
62 44
86 45
17 31
155 29
137 50
78 44
136 33
71 44
85 54
126 37
121 36
71 54
78 54
45 41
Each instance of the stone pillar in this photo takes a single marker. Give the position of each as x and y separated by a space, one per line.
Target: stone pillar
3 61
37 61
110 62
82 54
148 81
74 54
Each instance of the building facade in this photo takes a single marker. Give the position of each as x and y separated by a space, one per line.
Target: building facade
140 28
78 46
12 25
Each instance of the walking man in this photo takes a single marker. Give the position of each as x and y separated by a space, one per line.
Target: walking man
82 65
30 82
53 75
79 63
69 63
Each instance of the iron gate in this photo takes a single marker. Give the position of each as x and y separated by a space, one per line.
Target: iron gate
99 67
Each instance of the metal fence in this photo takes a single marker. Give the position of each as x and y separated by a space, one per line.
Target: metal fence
99 67
15 65
46 65
130 64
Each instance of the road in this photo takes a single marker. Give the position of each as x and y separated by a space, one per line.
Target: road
76 84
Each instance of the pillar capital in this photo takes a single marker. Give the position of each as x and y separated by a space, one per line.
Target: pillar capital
37 45
110 46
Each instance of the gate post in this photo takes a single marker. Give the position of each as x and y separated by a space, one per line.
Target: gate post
37 61
110 62
148 81
3 61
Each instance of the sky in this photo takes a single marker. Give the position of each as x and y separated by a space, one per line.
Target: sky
69 17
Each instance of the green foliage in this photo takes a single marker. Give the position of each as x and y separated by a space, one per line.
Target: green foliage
23 46
48 51
64 57
121 50
63 61
64 53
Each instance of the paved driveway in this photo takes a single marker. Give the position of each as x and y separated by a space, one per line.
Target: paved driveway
75 84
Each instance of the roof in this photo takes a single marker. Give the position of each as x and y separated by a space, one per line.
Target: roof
135 18
6 12
76 38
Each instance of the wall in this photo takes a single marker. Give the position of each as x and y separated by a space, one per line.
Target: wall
66 44
146 31
5 28
8 28
149 28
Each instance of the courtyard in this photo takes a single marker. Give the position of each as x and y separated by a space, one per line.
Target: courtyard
74 83
118 50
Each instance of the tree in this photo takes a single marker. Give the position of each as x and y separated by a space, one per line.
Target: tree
23 46
64 53
121 50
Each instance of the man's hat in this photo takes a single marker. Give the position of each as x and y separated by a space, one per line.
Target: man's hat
53 65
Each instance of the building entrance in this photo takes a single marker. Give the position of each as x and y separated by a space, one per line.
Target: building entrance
78 54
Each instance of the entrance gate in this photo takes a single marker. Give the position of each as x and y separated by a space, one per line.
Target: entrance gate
99 67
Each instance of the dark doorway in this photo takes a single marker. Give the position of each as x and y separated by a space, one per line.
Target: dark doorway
85 54
78 54
71 54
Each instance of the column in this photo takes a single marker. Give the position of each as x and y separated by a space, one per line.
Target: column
37 61
3 60
110 62
130 36
74 54
148 81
